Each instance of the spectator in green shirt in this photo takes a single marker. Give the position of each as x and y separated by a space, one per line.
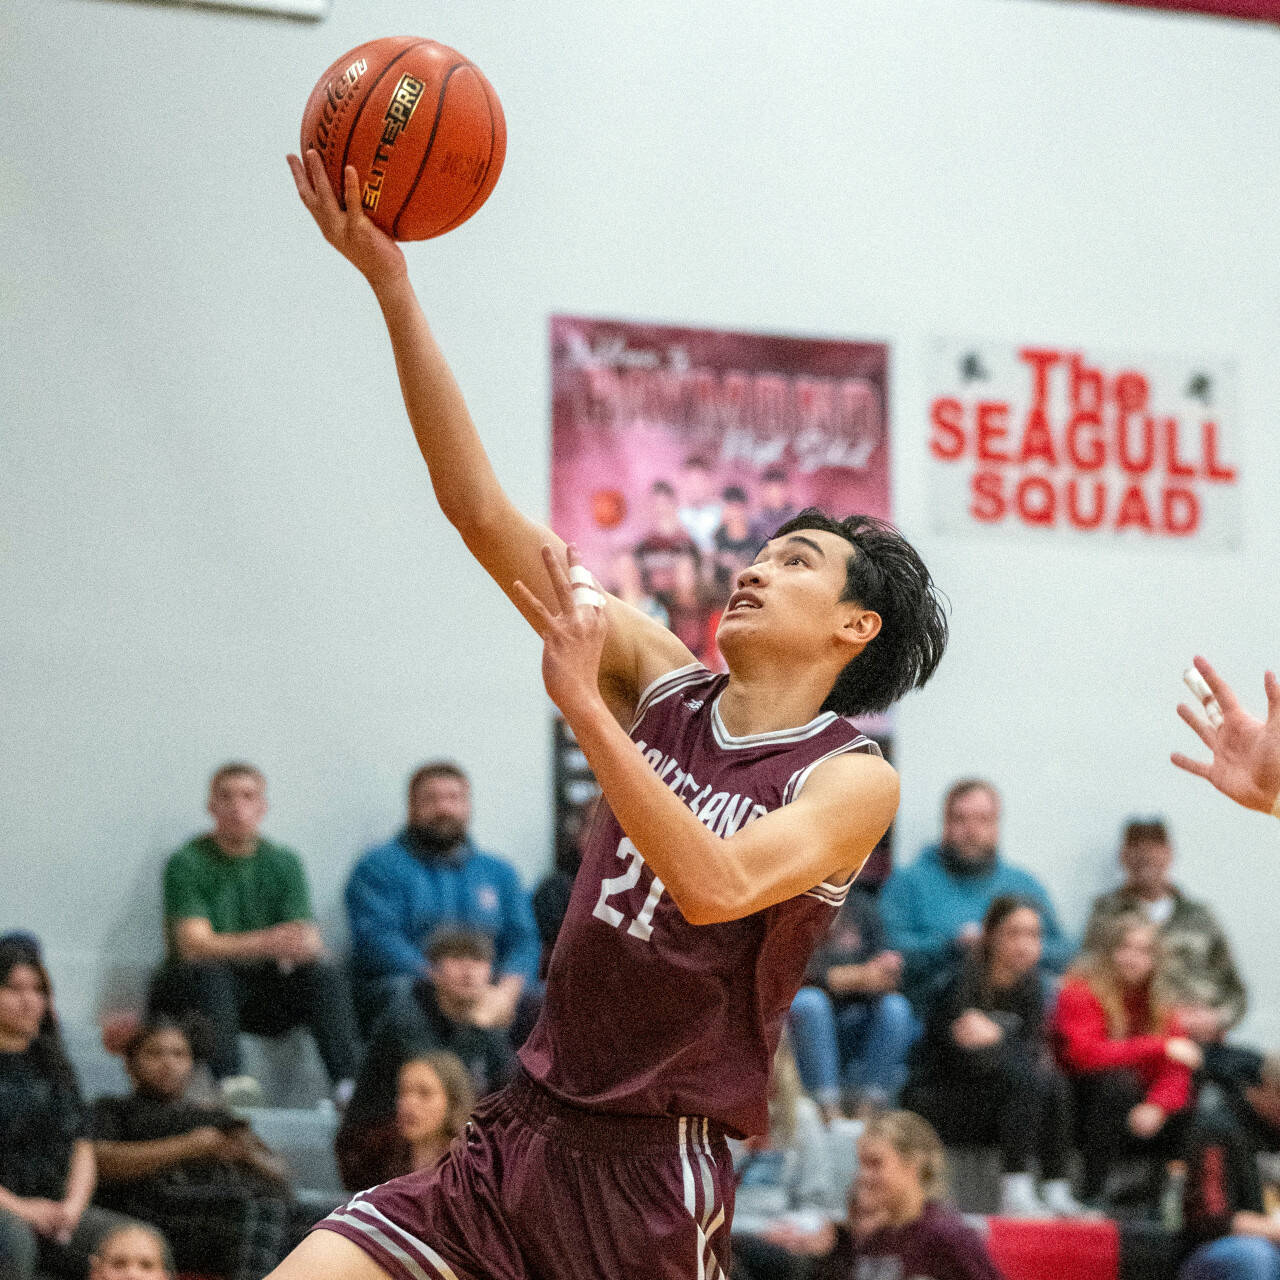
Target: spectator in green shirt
243 949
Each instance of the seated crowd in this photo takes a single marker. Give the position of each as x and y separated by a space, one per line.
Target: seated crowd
952 993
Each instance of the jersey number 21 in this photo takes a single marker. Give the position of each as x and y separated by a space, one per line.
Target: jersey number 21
642 926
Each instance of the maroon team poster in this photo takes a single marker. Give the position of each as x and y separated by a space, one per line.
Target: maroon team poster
676 453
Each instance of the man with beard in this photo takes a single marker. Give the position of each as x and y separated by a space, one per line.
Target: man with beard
933 909
429 876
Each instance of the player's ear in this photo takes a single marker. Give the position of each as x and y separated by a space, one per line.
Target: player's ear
861 627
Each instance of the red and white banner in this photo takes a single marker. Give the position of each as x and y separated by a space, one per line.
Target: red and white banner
1039 441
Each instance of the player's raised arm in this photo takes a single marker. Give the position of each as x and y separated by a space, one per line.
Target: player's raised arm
1246 750
505 541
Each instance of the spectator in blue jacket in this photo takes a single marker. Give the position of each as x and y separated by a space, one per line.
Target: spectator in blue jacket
430 876
933 909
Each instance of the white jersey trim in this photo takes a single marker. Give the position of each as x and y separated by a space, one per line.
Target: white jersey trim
727 741
667 684
829 894
861 744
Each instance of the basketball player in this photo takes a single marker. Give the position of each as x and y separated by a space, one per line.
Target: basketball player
738 810
1246 751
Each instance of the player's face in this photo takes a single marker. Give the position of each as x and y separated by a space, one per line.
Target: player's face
162 1064
1135 958
237 804
788 599
128 1255
422 1106
442 806
1147 863
971 825
1016 944
22 1002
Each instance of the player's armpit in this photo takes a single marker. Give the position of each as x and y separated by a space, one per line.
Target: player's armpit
825 834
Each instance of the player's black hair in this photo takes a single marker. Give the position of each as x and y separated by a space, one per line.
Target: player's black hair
885 573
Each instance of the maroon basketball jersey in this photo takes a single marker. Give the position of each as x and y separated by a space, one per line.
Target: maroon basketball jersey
646 1014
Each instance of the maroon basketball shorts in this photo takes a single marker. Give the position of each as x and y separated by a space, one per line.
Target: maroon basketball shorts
535 1190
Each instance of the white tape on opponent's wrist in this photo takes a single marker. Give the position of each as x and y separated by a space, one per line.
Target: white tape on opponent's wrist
586 590
1198 686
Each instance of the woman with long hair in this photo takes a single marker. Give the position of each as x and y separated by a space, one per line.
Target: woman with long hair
47 1169
985 1073
1130 1065
898 1224
434 1096
197 1172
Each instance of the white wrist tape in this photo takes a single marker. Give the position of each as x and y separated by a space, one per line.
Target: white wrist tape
1196 683
586 590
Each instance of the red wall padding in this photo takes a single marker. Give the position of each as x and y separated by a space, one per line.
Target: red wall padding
1057 1250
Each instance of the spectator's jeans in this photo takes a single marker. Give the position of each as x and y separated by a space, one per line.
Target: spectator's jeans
1234 1258
22 1250
265 1000
1007 1099
863 1045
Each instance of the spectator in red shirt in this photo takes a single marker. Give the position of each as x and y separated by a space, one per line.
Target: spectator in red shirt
1128 1058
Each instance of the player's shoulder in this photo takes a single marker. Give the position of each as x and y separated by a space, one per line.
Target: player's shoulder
856 768
641 650
674 680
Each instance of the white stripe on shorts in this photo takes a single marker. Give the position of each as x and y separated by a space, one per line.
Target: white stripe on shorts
354 1215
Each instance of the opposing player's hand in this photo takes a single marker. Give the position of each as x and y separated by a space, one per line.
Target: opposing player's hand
368 248
572 637
1246 751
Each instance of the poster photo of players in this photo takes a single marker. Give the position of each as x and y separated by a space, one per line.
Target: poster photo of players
676 454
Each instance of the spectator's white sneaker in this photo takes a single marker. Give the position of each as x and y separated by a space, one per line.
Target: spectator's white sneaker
1018 1198
240 1091
1057 1197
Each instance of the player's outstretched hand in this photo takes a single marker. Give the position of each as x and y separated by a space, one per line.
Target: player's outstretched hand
368 248
572 637
1246 751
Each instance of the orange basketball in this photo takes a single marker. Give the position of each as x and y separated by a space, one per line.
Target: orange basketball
422 126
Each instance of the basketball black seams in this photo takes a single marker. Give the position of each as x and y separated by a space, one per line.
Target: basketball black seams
355 120
471 204
426 155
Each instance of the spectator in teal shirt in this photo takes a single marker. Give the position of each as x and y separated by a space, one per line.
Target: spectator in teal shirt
933 909
428 877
